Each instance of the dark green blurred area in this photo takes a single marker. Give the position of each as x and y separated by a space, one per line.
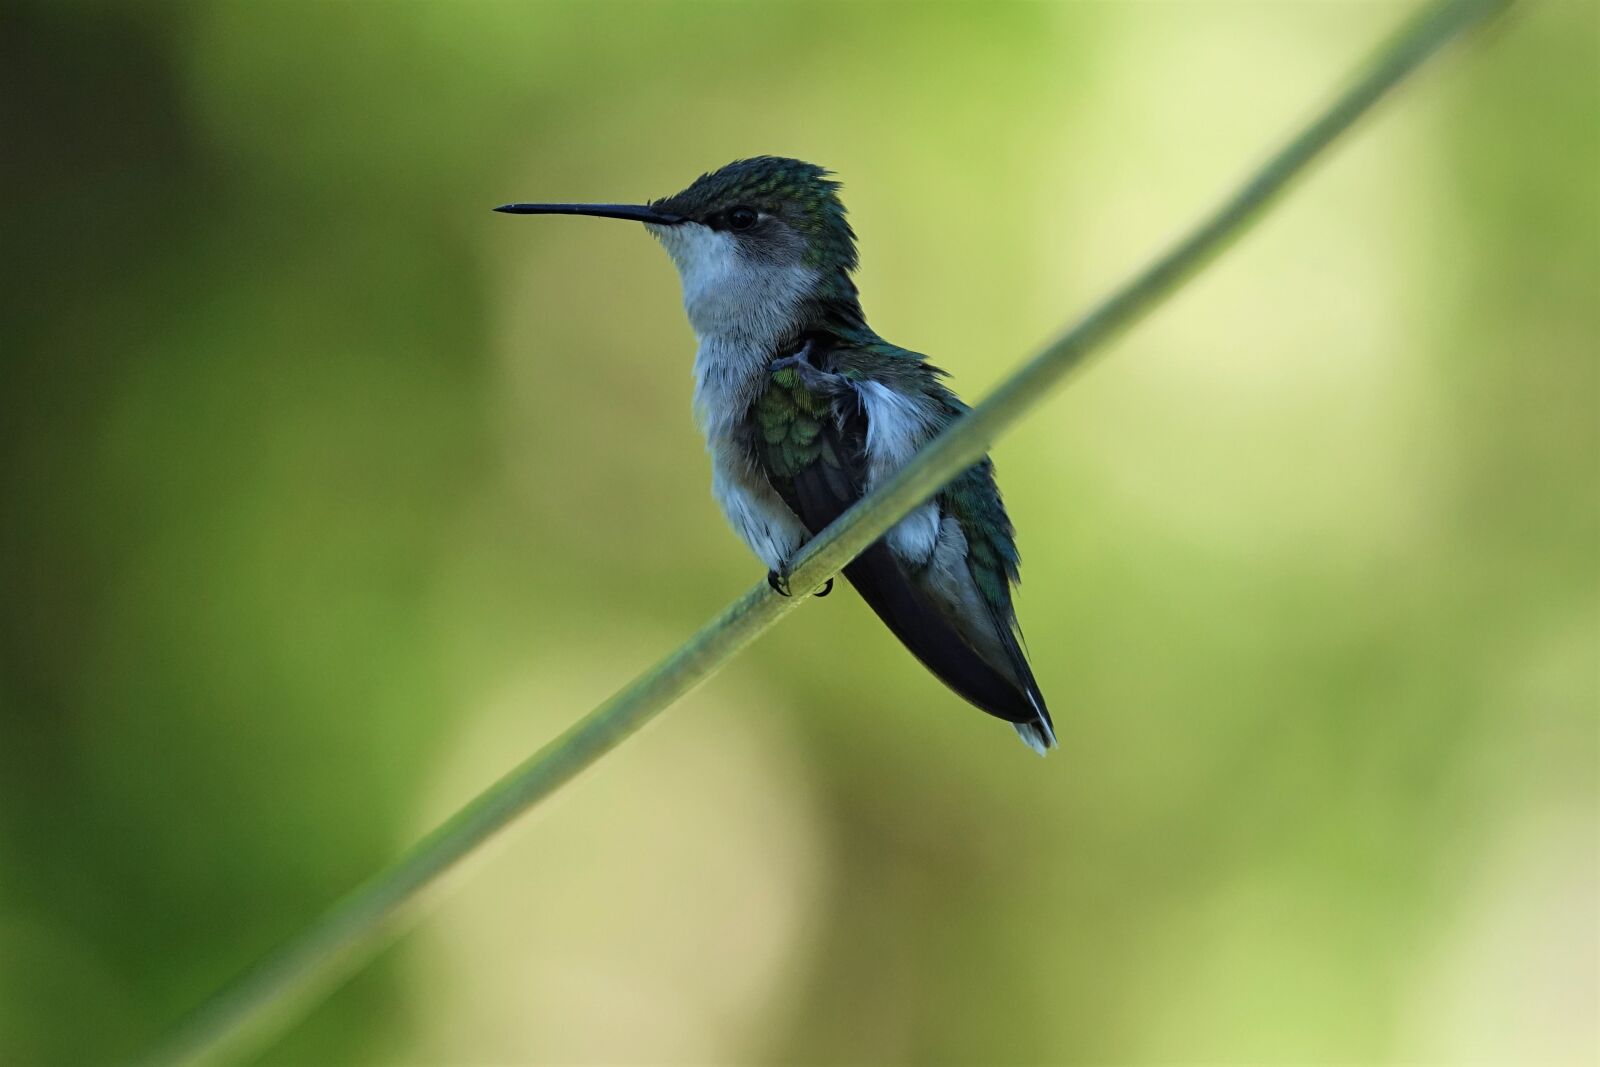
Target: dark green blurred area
328 495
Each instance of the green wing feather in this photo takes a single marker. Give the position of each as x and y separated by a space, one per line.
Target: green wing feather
809 430
789 418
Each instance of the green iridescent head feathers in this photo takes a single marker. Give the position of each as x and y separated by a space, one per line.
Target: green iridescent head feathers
800 194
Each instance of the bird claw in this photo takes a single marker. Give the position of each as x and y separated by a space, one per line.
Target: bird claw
779 581
795 359
816 380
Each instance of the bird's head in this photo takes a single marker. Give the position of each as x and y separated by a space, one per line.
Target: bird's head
785 212
759 244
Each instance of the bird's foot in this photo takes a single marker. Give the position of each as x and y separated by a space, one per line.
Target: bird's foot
779 581
796 358
817 381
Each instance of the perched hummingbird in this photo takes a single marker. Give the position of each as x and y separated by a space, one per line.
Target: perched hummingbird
805 409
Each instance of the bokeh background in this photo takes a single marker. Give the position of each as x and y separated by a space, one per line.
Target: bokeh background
326 495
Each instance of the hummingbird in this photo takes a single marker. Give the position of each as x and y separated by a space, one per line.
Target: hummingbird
805 409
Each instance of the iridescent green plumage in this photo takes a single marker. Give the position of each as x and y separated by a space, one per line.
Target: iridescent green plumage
806 200
800 193
813 430
790 416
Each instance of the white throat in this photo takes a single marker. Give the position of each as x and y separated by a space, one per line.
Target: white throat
741 308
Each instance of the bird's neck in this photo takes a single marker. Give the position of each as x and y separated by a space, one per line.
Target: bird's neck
741 329
738 342
746 312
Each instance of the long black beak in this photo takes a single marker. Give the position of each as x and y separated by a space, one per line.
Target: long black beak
632 212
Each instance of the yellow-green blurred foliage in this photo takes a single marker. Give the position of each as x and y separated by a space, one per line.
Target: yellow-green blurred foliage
328 494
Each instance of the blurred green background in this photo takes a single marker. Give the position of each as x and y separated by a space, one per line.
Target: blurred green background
328 494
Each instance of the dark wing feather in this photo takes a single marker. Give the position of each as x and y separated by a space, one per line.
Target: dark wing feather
824 489
974 500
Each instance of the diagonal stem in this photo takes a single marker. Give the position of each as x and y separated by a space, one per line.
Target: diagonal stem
265 997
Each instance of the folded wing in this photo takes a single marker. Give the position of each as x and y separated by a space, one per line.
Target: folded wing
814 451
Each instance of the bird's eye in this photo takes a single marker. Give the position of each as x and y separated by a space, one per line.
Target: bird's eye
741 218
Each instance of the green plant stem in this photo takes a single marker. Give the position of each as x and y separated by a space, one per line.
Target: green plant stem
266 995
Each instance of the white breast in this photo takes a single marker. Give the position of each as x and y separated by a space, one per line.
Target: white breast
741 308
